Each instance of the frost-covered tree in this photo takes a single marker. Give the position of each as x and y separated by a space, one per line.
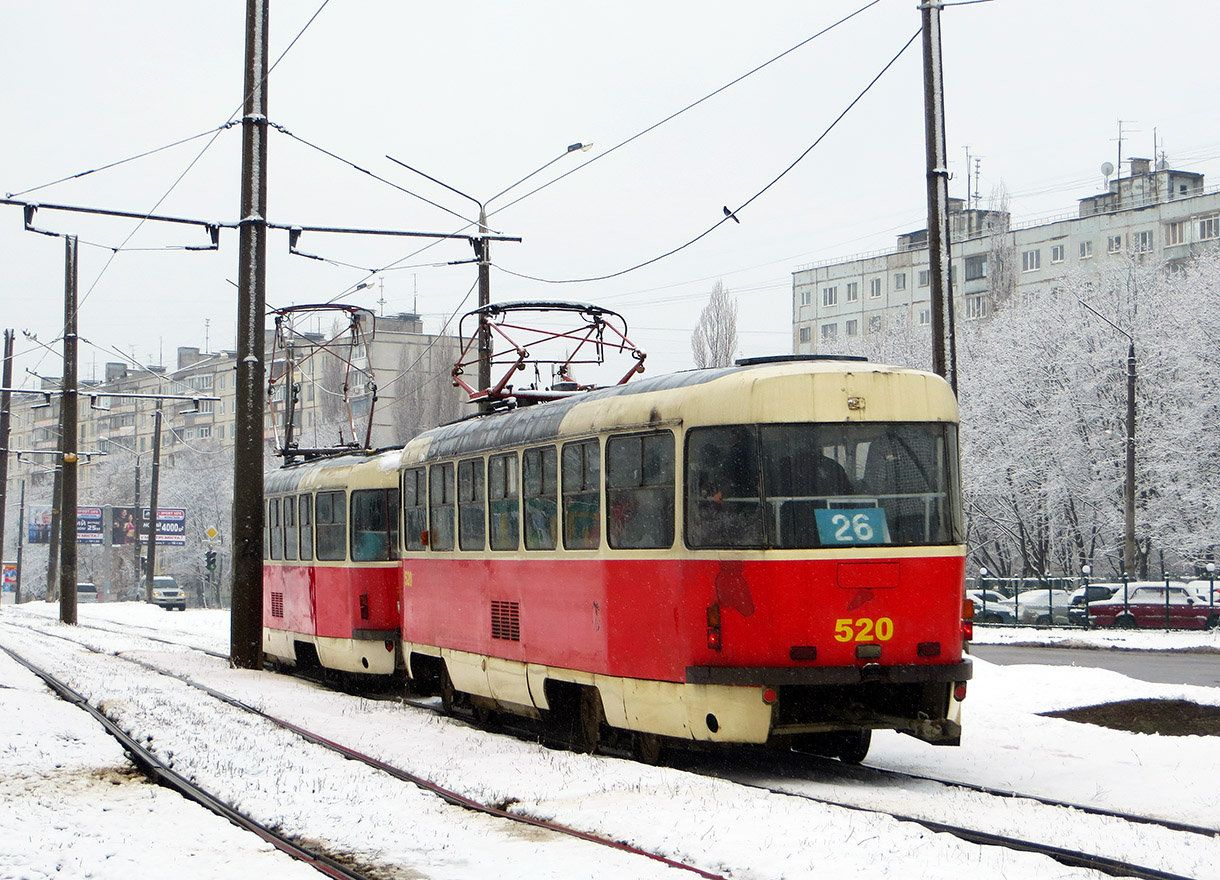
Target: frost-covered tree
1043 392
714 342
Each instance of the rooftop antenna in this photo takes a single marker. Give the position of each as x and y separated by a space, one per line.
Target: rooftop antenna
381 302
1106 170
207 326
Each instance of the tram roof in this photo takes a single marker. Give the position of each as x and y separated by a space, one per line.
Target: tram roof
770 390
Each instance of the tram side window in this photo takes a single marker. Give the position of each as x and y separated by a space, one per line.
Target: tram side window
277 531
290 529
640 491
330 523
502 501
723 505
539 484
305 522
472 521
374 525
440 506
581 495
414 509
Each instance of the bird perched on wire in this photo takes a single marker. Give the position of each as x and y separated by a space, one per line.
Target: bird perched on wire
730 214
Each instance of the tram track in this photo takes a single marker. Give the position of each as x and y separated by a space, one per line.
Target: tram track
795 768
163 774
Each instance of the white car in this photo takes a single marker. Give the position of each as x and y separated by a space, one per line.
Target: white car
989 607
166 593
1041 607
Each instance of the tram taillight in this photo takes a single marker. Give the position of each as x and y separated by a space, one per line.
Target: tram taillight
714 640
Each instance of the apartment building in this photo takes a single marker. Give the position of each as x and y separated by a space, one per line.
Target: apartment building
1157 214
411 385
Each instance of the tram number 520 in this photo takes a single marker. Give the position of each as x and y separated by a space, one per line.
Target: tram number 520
864 629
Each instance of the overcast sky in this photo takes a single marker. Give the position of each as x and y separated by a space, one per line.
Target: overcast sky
480 94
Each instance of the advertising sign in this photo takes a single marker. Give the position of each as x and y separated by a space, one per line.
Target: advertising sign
171 526
38 523
88 525
10 577
122 526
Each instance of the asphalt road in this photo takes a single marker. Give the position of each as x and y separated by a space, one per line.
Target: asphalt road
1159 666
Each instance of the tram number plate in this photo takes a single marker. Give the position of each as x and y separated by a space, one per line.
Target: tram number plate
864 629
842 526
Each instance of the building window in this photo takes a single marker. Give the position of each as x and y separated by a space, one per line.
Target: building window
806 297
804 335
853 328
925 277
1057 252
874 288
1114 244
1175 233
1209 227
1031 260
205 431
830 296
925 317
900 280
976 267
1141 242
830 332
853 291
1086 250
974 307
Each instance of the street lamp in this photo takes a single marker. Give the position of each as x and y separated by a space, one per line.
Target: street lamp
1211 591
983 589
482 247
1086 570
1129 483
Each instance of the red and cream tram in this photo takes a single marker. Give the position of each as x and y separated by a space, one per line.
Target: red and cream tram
765 553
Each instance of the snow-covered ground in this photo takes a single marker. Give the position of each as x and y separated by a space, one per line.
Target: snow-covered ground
70 805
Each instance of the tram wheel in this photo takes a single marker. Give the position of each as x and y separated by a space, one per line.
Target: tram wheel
586 732
448 693
648 748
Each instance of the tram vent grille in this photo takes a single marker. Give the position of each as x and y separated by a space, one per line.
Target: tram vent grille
277 604
506 621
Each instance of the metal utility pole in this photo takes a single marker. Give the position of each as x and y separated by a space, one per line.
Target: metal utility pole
154 484
1129 487
67 442
483 248
6 402
246 620
944 345
20 542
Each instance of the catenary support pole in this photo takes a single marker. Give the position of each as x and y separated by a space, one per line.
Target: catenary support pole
944 345
67 442
153 489
246 620
6 403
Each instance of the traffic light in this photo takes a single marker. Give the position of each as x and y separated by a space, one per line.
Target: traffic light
210 558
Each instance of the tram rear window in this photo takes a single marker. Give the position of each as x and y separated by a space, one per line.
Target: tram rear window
799 486
330 525
374 525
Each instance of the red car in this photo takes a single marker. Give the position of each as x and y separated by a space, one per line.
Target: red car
1146 606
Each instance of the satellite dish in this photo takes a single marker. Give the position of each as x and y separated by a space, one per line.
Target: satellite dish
1107 169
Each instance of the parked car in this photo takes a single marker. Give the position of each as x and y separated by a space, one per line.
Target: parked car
1145 605
1040 606
86 593
989 607
1201 588
166 593
1097 593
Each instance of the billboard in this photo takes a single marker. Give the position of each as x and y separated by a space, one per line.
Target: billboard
171 526
10 577
38 524
88 525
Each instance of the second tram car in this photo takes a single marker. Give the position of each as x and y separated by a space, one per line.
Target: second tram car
765 553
